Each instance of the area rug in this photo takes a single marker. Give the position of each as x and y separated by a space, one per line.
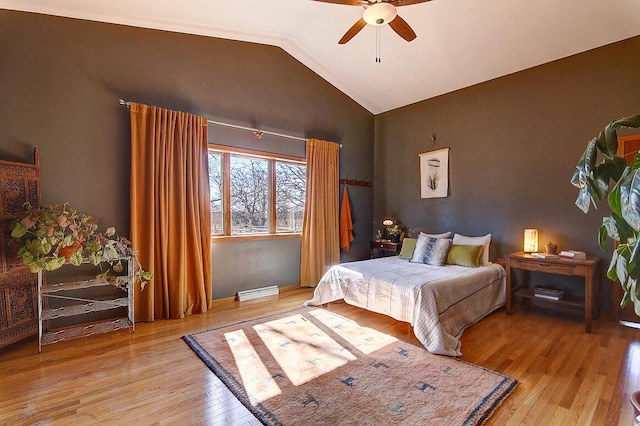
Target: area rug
311 366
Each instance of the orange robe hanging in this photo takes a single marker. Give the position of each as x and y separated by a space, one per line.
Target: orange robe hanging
346 226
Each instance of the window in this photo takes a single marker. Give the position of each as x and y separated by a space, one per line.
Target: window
255 193
215 193
291 183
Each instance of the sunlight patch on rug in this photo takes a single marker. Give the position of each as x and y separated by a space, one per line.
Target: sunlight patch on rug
312 366
366 340
301 349
249 366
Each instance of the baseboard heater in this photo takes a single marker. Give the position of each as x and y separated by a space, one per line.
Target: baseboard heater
271 290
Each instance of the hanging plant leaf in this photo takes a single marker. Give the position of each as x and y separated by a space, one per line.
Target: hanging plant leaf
630 122
608 229
628 190
633 258
611 169
18 230
118 267
585 165
584 199
55 263
76 258
599 182
621 269
608 142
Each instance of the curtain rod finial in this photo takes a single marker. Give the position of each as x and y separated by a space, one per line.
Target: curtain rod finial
124 103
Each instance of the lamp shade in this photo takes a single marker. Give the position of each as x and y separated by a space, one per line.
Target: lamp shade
530 240
380 14
387 222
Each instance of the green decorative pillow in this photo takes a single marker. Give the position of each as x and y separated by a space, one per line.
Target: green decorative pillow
472 241
408 245
463 255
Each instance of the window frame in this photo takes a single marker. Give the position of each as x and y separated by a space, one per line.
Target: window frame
226 152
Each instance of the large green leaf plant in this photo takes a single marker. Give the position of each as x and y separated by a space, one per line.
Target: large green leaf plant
612 179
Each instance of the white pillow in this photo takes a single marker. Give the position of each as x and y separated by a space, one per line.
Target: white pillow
475 241
443 235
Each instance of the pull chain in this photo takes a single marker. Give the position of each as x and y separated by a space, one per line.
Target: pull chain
378 60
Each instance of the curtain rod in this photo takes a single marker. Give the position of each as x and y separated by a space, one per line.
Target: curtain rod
257 132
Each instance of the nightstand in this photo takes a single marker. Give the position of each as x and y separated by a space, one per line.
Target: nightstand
586 268
385 247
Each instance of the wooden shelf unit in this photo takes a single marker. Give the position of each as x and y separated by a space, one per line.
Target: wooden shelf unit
70 305
528 293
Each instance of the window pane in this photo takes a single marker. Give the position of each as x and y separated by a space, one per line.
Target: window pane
290 192
215 193
249 179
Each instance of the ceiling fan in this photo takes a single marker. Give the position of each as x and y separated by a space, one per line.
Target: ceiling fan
377 13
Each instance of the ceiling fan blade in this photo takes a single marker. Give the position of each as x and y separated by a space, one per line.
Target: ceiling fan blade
355 29
399 3
345 2
403 29
396 3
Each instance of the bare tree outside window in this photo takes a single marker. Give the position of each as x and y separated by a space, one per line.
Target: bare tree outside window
290 192
215 193
249 182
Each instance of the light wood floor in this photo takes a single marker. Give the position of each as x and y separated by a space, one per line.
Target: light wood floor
567 377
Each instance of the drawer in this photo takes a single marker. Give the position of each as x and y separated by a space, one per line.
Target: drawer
384 246
549 268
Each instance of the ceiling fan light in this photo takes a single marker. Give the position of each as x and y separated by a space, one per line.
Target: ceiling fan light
380 14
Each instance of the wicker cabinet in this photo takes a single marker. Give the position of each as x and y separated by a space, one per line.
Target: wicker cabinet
19 183
84 307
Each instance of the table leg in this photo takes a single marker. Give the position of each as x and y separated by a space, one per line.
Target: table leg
588 302
508 287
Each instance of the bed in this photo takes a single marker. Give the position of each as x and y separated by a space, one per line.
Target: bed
440 302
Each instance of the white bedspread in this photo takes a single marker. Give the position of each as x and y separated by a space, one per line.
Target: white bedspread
439 302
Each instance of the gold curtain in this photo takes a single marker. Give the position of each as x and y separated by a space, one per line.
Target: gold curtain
170 211
320 247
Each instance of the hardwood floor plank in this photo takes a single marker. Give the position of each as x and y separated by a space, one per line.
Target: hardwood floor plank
567 376
586 403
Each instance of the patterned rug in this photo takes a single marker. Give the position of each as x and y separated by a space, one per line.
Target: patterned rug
311 366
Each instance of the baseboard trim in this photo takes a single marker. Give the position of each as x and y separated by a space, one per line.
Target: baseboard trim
258 293
225 300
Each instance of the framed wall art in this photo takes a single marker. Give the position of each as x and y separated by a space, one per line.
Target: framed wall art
434 173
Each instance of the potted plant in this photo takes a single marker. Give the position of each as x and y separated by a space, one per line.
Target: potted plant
593 180
47 232
394 230
112 249
51 235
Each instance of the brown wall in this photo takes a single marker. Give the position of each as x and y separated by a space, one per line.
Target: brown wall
60 81
514 143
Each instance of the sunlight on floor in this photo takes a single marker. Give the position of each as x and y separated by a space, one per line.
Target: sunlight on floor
295 338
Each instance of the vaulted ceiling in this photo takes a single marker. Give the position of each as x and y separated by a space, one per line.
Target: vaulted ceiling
459 42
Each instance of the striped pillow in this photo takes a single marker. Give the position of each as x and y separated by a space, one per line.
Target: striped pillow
432 251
